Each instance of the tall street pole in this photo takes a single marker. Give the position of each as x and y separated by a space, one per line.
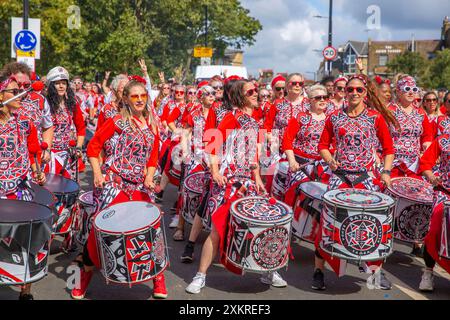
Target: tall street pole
330 35
26 10
206 26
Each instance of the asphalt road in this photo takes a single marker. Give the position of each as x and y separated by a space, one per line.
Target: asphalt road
401 268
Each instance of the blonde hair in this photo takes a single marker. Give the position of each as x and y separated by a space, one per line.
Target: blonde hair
314 88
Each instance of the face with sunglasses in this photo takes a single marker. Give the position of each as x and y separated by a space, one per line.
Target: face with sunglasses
218 88
191 95
408 94
251 95
295 85
179 94
355 92
279 89
23 80
319 101
430 103
208 98
339 89
264 95
11 90
137 100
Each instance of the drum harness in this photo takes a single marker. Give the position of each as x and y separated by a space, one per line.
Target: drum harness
342 174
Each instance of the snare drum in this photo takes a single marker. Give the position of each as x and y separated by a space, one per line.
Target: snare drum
192 195
66 192
43 196
25 231
280 180
413 208
87 208
357 224
444 250
307 208
131 242
259 234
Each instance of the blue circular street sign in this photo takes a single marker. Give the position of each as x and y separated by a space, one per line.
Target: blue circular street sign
25 40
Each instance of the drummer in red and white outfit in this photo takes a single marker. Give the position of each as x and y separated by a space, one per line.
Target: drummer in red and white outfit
279 87
355 130
414 134
19 147
280 113
300 144
236 175
68 122
130 174
338 100
443 122
438 151
431 107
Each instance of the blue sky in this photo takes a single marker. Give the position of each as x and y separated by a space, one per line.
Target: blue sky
290 33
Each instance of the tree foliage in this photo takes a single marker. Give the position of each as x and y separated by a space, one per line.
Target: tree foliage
411 63
115 33
438 75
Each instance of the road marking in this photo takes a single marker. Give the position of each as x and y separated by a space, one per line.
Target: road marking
413 294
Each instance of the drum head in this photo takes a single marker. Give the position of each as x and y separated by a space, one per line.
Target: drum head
260 211
59 184
87 198
412 189
313 189
42 195
14 211
194 182
127 217
358 199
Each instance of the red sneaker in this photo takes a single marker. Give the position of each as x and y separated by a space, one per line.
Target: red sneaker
78 293
159 287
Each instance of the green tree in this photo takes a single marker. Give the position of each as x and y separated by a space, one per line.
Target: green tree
438 75
411 63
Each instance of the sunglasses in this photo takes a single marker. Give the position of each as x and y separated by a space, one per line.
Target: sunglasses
179 92
430 100
297 83
413 89
340 88
264 96
15 92
279 89
251 92
136 97
320 98
208 93
218 88
357 89
78 82
191 93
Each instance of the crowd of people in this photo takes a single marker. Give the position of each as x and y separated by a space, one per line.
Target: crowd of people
138 137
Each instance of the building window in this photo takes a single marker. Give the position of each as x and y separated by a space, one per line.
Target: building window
383 60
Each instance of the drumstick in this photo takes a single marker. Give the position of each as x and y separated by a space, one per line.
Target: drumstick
72 145
44 147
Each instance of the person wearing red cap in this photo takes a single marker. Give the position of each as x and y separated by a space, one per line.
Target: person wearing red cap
19 147
34 105
278 87
135 129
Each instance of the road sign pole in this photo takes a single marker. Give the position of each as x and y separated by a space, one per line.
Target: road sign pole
26 10
330 36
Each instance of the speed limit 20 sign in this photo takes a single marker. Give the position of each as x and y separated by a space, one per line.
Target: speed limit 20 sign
329 53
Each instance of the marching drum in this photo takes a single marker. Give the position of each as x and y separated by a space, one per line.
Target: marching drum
413 208
280 180
66 192
192 195
357 224
259 234
444 251
131 242
25 232
87 208
43 196
307 209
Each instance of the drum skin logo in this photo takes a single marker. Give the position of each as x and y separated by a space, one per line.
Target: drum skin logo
4 165
361 234
108 214
413 221
268 248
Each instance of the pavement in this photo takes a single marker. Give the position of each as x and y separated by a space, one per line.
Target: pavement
401 268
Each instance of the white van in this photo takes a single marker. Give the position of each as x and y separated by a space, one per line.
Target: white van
207 72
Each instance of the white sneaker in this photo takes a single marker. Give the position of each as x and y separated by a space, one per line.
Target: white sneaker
174 222
274 279
197 283
427 282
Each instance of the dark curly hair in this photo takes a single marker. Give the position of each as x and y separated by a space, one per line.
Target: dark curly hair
54 99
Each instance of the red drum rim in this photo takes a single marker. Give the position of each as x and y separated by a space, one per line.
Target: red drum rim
410 196
282 219
330 198
96 228
316 183
187 187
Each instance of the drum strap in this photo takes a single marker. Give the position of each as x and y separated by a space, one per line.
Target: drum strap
303 162
343 175
442 189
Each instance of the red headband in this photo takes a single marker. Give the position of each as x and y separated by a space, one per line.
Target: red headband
138 79
340 79
359 77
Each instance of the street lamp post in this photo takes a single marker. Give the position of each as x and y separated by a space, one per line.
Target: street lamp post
330 34
26 10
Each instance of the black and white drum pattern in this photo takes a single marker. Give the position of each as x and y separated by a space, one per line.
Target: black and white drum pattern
357 224
413 209
192 195
131 242
259 234
444 250
88 206
280 180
